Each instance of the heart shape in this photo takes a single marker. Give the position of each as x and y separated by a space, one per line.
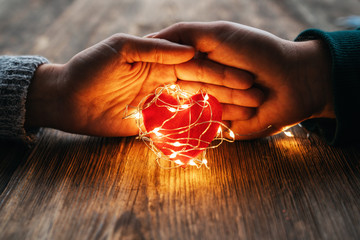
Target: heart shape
182 130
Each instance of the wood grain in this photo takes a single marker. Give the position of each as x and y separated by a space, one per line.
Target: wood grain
79 187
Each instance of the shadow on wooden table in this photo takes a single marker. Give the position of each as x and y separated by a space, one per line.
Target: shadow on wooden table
89 187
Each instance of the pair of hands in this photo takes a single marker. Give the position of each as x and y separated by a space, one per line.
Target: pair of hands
260 79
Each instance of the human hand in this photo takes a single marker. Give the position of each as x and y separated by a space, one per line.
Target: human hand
89 94
294 76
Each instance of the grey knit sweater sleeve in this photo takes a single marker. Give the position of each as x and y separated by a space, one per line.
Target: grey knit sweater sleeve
16 73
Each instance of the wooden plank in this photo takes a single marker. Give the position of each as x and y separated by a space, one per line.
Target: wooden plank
89 188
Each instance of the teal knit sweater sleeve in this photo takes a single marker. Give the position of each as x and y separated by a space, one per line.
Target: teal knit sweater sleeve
16 73
344 47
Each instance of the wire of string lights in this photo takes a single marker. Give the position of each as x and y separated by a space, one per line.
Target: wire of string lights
179 126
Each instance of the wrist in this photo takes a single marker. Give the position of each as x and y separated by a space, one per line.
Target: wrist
315 62
42 97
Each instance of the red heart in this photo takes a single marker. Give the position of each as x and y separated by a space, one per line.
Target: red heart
182 131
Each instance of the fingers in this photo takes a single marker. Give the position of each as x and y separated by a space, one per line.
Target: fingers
203 36
236 113
227 43
134 49
251 129
206 71
252 97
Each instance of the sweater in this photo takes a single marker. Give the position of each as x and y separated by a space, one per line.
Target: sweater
16 73
344 47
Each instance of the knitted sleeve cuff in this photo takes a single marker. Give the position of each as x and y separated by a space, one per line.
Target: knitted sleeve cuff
344 47
16 73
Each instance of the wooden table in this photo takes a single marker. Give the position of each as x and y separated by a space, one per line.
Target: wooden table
80 187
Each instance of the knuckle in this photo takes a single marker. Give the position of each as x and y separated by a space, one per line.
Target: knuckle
180 25
120 40
118 37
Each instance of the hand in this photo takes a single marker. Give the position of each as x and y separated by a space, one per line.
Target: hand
89 94
294 76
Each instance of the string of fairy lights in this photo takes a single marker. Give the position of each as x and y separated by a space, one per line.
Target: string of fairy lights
177 146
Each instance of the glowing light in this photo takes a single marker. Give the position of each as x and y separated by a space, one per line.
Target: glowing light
289 134
285 128
137 115
183 147
172 109
219 131
179 162
173 155
192 163
204 161
231 133
156 131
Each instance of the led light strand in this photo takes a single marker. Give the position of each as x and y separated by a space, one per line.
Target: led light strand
181 97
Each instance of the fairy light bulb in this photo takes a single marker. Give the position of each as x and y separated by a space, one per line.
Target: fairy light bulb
219 131
206 97
137 115
184 106
156 132
231 133
176 144
173 155
172 109
204 161
192 163
288 133
178 162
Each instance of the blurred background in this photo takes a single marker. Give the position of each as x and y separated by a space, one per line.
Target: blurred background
58 29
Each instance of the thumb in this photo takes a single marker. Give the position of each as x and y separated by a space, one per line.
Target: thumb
136 49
